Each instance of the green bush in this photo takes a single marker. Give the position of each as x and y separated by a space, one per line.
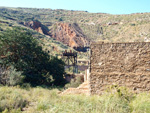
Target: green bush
116 100
121 92
74 82
141 104
12 111
26 86
10 76
24 52
57 70
11 98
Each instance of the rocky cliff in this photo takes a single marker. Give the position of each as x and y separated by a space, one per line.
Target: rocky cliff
36 25
69 34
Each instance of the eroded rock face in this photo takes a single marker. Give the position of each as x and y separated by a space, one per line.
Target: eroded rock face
69 34
36 25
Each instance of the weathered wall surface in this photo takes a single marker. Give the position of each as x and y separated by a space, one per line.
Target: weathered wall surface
124 64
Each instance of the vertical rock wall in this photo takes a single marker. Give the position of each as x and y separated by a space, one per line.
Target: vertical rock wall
123 64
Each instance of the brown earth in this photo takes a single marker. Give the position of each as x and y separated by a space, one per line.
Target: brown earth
69 34
82 89
36 25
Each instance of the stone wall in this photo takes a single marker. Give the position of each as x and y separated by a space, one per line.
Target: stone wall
124 64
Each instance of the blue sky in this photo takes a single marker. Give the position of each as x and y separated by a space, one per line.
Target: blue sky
94 6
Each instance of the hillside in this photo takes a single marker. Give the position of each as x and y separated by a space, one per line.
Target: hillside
54 47
96 26
76 28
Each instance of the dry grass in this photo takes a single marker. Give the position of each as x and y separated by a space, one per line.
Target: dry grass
40 100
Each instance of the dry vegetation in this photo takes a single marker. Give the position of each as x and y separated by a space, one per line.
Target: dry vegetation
43 100
106 27
97 26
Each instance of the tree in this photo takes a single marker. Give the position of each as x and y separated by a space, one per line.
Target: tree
20 49
57 68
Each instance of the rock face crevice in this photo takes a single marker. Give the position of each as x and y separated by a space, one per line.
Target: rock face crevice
123 64
37 26
69 34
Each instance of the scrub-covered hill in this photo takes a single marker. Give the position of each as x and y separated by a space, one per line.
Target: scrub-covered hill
76 28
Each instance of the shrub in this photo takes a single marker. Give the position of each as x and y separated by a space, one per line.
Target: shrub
26 86
57 71
114 104
116 100
141 104
23 52
60 19
10 76
11 98
20 49
121 92
74 82
12 111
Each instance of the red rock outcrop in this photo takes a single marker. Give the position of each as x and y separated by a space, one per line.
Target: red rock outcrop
69 34
36 25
